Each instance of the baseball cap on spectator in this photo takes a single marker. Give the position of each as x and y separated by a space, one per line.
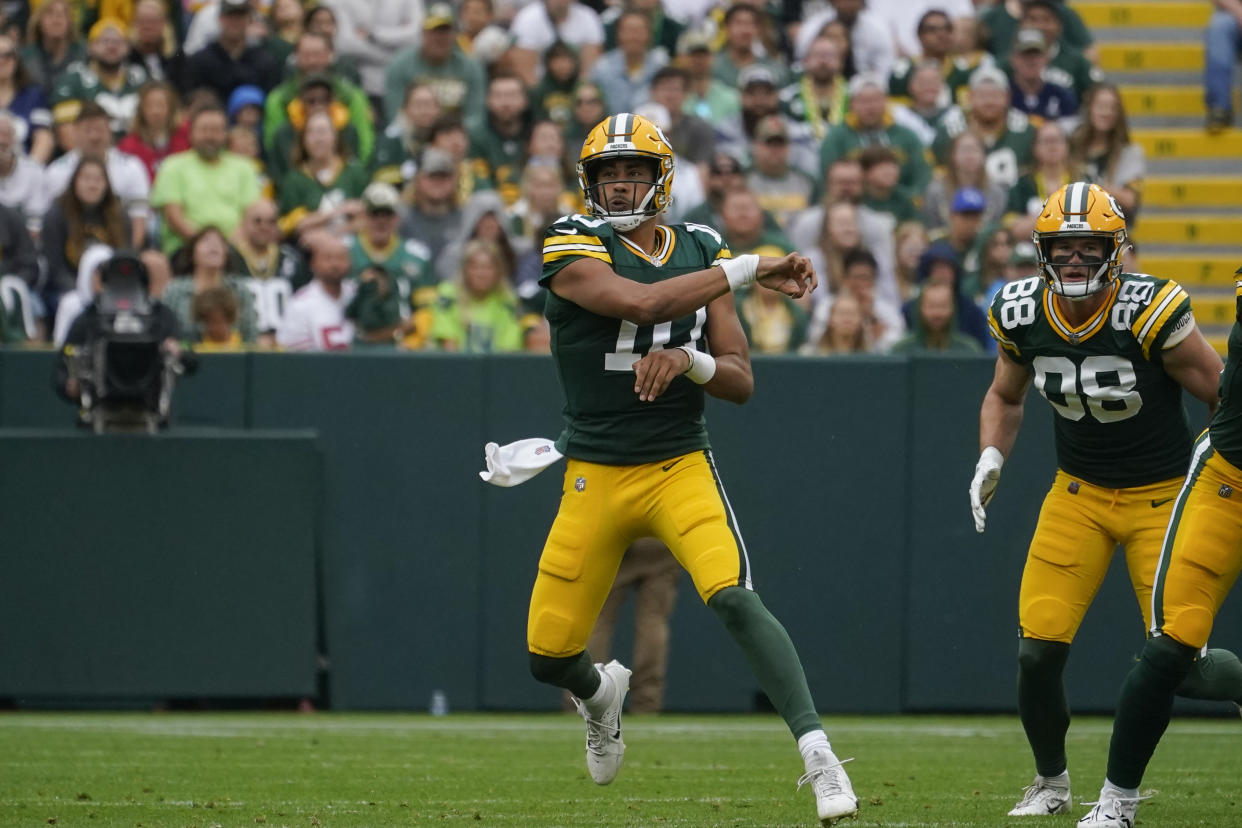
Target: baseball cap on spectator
105 24
756 74
864 80
243 96
771 128
234 6
379 197
968 200
988 74
1024 253
436 161
1030 40
438 16
694 40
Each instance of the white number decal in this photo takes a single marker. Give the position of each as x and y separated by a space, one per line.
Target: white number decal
703 228
1019 309
1108 403
624 357
1002 166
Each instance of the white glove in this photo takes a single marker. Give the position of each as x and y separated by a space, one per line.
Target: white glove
987 475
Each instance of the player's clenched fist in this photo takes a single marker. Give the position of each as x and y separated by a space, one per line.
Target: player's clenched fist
792 274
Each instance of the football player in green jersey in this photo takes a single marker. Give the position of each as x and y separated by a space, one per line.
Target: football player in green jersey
1111 352
642 324
1199 563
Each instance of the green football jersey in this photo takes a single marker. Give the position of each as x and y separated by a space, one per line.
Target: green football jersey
595 355
1008 153
79 83
1119 419
1226 428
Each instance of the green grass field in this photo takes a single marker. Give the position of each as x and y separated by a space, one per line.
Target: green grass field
273 769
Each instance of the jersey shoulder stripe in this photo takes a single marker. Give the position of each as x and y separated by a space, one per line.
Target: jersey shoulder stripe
573 237
1162 304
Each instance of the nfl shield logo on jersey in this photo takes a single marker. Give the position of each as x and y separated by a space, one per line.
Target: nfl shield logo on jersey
580 484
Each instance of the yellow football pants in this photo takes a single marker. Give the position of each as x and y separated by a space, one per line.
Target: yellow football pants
1080 525
603 510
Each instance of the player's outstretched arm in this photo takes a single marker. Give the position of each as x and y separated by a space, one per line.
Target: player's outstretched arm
1196 366
1000 417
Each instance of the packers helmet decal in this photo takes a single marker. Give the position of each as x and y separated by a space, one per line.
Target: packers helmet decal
1076 210
626 136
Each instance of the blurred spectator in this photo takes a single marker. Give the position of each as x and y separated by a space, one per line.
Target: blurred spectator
935 37
665 30
881 173
315 319
692 137
1223 45
1051 171
477 311
457 80
870 124
966 166
1031 93
244 143
625 73
923 111
154 48
484 216
940 264
1023 262
724 173
543 200
324 185
52 43
1000 22
316 96
881 320
406 266
871 43
245 108
126 174
205 185
263 255
995 253
707 98
433 209
1067 65
589 109
910 241
72 302
743 226
1006 133
286 19
21 178
553 96
152 134
935 324
449 135
773 324
17 249
373 32
479 28
405 137
376 308
546 145
87 212
214 312
743 48
687 184
962 237
761 97
313 56
159 269
104 78
320 19
229 60
1102 149
783 190
201 265
26 102
497 144
819 96
842 330
541 23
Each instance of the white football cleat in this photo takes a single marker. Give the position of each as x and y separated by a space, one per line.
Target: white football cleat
1113 810
834 796
1043 799
604 748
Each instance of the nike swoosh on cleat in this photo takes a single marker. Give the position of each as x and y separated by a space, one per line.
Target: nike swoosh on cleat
674 463
1156 504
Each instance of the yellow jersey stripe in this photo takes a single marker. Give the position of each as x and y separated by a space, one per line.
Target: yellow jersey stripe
1161 319
560 254
1140 325
571 239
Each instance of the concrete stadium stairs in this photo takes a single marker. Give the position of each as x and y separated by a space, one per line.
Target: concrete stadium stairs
1190 224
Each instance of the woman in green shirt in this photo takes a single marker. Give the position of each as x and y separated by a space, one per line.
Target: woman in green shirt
324 188
478 312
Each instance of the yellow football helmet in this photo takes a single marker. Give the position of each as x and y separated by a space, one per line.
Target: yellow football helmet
1080 209
626 136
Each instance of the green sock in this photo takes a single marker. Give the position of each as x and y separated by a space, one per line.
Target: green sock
1216 676
1042 705
1144 708
771 656
575 673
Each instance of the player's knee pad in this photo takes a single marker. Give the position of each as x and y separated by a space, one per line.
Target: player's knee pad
1041 659
1168 658
554 671
1050 618
733 605
1190 624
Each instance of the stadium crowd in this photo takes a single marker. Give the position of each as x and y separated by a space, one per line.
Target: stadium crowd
380 173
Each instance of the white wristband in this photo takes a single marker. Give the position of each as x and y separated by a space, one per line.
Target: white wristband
702 365
740 271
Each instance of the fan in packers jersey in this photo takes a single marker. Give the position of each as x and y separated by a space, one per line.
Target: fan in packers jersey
1111 352
1199 564
642 325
